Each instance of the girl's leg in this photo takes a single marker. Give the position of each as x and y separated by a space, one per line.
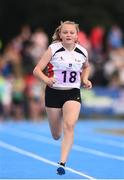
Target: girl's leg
55 122
71 110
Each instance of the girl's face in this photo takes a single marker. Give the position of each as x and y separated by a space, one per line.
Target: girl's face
68 34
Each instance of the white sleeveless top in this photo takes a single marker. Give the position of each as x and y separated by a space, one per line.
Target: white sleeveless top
66 66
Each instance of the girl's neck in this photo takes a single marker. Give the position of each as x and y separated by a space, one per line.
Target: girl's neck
69 47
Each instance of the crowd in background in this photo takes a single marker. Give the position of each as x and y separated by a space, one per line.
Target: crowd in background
22 95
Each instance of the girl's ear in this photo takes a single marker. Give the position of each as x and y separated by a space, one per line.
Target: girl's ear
76 39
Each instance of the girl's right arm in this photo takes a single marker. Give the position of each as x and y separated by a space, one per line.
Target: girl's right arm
38 70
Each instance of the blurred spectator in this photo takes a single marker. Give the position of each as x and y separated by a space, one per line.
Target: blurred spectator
35 97
5 96
40 43
12 58
22 96
18 96
114 67
97 37
21 38
97 41
99 78
28 61
83 40
115 37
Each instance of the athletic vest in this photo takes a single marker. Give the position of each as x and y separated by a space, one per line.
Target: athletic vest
66 66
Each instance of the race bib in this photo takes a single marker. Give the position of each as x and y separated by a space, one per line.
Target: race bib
66 77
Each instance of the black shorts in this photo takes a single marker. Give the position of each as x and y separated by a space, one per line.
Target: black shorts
56 98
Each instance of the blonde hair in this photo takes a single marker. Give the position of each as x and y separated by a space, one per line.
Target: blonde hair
56 36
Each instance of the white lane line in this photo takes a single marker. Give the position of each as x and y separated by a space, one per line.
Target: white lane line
103 141
98 153
85 138
75 147
39 158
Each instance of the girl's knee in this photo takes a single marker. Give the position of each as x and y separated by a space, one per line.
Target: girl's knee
56 136
69 126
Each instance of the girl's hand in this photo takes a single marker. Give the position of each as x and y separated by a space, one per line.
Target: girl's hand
49 81
87 84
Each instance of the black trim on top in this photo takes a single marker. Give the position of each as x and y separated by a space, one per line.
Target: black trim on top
79 51
59 50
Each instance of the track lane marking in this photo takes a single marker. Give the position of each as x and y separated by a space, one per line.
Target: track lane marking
75 147
39 158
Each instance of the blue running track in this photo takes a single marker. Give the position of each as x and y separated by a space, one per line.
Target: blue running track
27 151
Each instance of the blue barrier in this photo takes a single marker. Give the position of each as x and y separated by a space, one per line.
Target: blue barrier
101 100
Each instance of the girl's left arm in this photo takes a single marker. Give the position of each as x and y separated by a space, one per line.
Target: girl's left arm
86 83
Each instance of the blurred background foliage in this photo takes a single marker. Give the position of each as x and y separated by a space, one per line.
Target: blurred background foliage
48 14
